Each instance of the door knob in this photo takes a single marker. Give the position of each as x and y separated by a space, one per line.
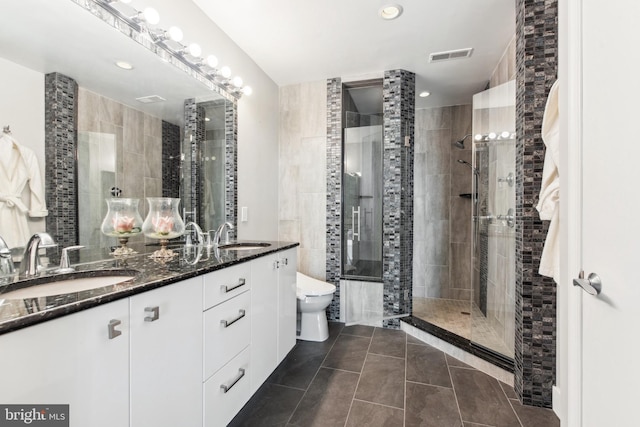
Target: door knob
592 285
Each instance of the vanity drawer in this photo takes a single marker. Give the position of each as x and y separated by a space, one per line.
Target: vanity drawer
224 284
227 391
227 330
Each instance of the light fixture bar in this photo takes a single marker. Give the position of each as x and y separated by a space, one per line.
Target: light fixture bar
167 45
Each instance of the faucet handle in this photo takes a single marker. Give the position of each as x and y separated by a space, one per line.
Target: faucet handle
65 265
46 241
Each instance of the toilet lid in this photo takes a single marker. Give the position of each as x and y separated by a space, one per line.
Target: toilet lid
308 286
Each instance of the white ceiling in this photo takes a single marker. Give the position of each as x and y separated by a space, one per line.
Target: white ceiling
296 41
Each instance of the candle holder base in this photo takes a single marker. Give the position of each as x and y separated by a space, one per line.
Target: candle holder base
123 250
163 253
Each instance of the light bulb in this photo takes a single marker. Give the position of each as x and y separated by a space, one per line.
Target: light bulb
247 90
212 61
225 72
478 137
391 11
175 34
505 134
237 81
151 16
424 94
194 49
492 135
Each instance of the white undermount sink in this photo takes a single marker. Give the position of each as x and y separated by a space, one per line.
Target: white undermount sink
244 246
77 282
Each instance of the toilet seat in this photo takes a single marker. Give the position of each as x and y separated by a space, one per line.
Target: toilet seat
309 287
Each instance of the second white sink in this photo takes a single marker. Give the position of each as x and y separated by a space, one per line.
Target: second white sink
66 286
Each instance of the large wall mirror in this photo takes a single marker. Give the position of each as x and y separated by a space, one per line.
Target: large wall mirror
157 129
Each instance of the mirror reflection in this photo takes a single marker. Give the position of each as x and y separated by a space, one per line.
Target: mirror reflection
129 125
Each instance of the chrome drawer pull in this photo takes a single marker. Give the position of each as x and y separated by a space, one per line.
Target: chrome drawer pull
154 312
226 323
113 332
225 388
226 289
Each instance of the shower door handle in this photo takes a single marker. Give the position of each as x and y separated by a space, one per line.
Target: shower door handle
355 213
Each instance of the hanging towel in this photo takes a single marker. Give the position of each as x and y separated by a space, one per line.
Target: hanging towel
19 169
548 204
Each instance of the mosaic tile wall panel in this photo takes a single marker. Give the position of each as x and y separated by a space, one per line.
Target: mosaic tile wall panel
397 253
334 191
61 139
171 161
536 63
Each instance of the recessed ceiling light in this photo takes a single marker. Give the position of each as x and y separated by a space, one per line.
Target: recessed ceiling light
390 11
424 94
124 65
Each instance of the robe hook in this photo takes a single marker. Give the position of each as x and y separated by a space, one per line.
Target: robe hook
7 130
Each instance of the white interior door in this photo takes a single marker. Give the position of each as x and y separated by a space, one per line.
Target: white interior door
604 91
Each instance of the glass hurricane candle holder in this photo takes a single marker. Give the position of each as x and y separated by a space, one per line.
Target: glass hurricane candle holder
163 223
122 222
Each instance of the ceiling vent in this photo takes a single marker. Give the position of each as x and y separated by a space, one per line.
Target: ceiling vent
450 54
150 99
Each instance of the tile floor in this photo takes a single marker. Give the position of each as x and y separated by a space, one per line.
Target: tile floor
449 314
366 377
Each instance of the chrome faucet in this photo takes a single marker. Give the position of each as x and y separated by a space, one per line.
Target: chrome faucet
216 237
30 259
199 233
6 261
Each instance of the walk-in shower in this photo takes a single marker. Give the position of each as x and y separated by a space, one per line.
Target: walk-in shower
465 286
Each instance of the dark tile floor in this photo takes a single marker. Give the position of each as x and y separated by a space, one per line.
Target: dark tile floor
366 377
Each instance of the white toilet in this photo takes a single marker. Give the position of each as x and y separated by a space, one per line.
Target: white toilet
314 296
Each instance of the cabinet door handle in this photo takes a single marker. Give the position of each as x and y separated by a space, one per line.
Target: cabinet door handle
155 313
225 388
111 327
285 261
226 289
226 323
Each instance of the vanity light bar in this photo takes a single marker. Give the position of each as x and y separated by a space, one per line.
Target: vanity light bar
170 42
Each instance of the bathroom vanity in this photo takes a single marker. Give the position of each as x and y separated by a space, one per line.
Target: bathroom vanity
176 345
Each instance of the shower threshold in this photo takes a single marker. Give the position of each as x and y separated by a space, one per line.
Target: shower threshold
493 357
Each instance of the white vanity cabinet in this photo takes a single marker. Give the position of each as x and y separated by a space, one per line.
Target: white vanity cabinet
187 354
228 311
80 360
273 321
287 301
166 355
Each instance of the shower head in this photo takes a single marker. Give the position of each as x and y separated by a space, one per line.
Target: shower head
460 143
464 162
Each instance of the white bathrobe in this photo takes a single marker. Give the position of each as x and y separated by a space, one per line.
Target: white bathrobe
18 168
548 204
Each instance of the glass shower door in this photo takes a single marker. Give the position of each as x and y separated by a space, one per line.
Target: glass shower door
362 203
493 307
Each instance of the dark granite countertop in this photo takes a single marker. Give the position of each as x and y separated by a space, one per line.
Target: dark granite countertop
149 274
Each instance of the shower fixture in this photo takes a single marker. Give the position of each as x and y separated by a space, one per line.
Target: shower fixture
460 143
475 171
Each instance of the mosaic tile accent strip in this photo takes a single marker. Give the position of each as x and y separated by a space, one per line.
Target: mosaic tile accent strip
397 253
334 191
537 64
171 162
231 162
189 191
61 141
